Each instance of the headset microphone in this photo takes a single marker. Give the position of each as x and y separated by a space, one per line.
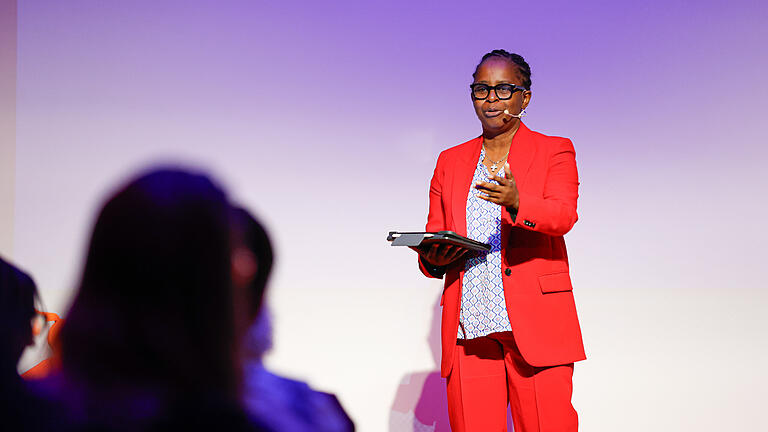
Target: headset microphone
521 115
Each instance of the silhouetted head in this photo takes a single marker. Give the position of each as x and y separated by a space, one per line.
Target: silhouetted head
154 306
17 309
252 257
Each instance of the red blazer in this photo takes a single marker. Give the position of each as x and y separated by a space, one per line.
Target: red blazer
537 286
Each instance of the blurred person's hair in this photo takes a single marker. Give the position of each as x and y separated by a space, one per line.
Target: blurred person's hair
18 294
154 305
252 235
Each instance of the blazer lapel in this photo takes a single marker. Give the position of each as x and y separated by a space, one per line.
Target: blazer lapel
521 154
463 171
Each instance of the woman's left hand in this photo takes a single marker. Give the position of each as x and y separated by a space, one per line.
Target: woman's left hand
505 193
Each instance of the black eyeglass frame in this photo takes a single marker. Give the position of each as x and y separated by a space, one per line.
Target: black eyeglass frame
514 87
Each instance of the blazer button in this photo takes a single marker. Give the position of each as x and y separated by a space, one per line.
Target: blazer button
508 271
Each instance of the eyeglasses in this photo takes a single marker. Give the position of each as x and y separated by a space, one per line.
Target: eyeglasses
503 91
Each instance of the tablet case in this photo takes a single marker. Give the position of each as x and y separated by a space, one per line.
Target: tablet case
416 239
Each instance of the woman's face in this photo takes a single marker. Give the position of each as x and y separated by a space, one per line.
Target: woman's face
490 110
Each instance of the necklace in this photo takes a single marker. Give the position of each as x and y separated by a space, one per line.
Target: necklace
495 165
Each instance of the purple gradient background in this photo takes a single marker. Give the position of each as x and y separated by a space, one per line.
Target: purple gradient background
326 119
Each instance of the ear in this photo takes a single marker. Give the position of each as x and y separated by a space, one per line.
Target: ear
526 98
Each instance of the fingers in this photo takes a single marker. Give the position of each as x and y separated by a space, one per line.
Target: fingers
486 187
508 171
502 180
507 180
451 253
498 193
432 253
494 199
441 255
448 251
457 253
489 195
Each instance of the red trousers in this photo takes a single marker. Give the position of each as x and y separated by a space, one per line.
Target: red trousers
488 373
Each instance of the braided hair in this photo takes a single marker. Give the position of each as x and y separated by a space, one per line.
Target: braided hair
515 59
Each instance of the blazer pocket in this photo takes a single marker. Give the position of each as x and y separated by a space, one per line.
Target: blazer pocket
555 282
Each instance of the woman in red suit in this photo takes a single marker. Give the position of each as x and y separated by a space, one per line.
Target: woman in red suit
510 334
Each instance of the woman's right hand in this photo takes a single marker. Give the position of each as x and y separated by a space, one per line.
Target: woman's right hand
441 255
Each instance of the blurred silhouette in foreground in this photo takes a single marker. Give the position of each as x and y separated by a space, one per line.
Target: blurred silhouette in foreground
19 409
280 403
149 342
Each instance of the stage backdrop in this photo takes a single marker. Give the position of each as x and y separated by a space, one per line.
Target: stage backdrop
326 118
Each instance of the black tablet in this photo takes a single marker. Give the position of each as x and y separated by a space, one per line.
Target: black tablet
416 239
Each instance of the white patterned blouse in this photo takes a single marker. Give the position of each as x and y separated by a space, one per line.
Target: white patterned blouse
483 310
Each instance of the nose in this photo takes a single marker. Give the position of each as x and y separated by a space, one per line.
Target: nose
492 97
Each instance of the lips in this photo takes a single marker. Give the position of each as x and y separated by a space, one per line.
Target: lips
493 113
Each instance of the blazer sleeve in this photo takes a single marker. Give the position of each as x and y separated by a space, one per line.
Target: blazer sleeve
436 216
554 213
